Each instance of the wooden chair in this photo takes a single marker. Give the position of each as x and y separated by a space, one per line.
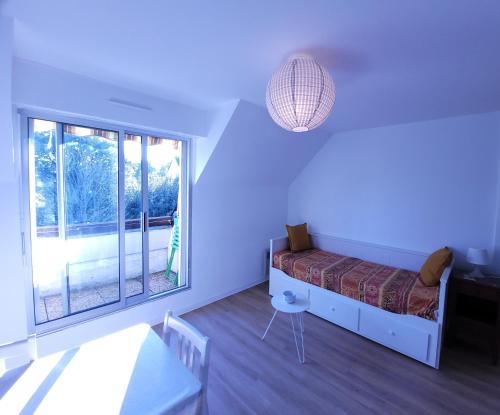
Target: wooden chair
192 349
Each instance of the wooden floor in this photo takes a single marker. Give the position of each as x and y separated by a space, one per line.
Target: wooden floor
343 374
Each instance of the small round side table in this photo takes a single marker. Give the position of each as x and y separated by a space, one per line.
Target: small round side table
296 312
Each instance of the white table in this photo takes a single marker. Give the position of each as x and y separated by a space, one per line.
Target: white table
128 372
296 311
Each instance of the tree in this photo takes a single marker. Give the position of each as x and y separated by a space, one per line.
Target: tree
90 179
163 191
133 195
91 182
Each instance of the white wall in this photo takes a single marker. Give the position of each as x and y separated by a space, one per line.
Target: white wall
13 325
417 186
42 87
240 199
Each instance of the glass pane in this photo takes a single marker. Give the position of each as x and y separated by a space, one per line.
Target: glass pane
48 276
164 178
133 215
91 246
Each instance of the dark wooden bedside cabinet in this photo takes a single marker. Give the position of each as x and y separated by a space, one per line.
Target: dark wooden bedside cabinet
473 313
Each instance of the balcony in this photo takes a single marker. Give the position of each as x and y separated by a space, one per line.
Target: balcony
86 275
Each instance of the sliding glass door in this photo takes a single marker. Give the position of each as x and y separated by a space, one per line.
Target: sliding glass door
134 230
89 208
107 218
164 161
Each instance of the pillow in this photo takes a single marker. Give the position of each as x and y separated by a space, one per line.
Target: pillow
298 237
431 271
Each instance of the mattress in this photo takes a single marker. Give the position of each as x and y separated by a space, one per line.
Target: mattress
391 289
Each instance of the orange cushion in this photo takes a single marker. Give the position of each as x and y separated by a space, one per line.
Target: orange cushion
431 271
298 237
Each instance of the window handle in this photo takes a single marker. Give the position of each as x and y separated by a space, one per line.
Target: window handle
144 221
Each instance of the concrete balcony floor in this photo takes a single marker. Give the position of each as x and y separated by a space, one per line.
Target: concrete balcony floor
51 306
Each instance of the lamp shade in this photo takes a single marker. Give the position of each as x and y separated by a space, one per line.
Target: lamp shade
477 256
300 94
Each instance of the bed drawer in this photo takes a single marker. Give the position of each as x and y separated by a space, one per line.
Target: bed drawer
407 339
334 308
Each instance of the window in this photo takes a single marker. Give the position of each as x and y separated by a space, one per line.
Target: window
108 211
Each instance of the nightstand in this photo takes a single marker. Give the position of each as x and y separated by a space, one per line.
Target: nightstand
473 313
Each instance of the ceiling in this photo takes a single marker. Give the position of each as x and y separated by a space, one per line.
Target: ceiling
393 61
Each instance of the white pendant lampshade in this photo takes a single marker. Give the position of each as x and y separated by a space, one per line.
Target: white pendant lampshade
300 94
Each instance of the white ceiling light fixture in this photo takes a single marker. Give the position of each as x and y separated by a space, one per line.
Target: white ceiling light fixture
300 94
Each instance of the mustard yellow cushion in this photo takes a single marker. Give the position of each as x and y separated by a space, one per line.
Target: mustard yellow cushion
298 237
431 271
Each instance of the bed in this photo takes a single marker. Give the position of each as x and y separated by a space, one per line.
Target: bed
372 290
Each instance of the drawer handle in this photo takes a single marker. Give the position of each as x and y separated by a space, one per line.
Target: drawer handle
333 308
392 332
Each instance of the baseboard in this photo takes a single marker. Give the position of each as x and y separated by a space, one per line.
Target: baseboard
16 354
221 296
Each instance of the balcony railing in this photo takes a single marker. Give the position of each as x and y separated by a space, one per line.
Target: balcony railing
99 228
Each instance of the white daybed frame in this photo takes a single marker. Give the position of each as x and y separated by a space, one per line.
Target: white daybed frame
413 336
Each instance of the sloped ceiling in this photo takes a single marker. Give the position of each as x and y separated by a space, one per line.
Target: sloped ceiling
204 148
394 61
253 151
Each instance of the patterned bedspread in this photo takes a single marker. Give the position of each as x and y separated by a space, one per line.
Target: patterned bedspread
392 289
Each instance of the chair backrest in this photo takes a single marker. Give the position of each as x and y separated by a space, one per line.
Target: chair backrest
192 347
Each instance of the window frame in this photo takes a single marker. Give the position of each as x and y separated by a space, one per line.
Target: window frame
125 302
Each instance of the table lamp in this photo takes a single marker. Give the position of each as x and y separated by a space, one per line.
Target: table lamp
477 257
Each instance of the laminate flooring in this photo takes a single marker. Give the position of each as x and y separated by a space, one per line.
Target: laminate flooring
343 374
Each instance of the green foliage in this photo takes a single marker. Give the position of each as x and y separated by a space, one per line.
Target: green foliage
162 192
133 190
90 179
91 182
